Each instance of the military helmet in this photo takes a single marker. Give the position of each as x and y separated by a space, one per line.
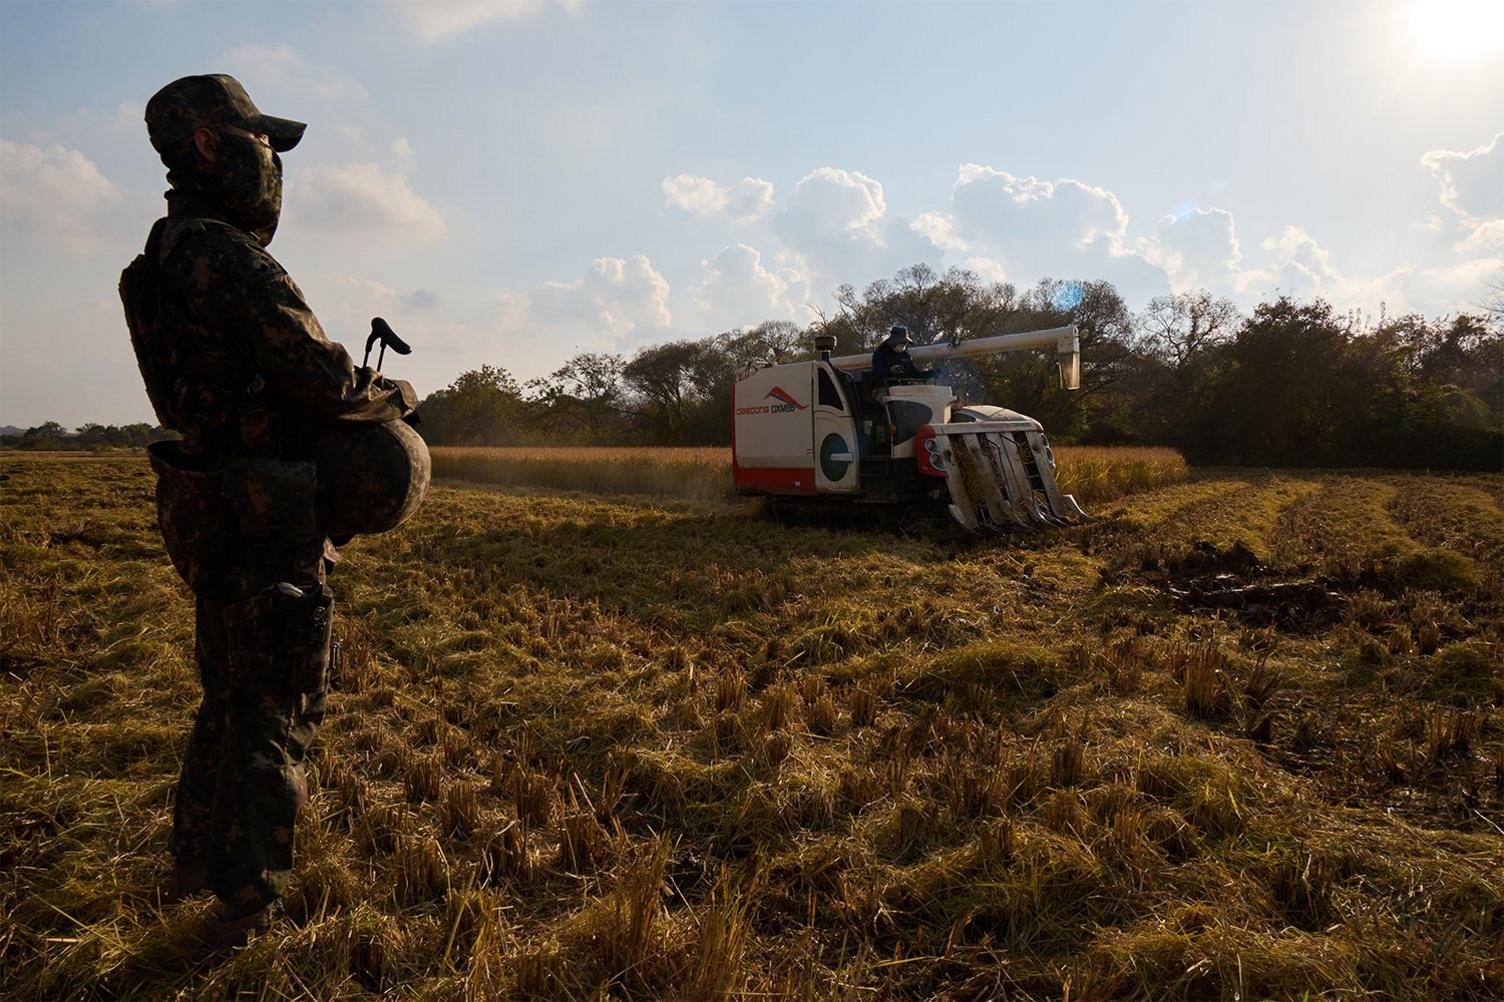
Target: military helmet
372 477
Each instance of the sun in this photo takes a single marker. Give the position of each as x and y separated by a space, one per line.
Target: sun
1457 30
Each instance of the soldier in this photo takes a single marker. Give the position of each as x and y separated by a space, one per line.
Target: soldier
234 360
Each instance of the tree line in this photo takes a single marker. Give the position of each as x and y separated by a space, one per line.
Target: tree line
51 437
1291 384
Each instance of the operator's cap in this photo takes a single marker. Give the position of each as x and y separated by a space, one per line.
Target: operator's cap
899 333
176 111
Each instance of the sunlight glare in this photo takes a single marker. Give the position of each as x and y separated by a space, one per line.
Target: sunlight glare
1457 30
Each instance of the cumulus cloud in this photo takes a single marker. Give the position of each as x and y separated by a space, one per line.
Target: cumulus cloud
1472 187
402 153
937 228
435 20
55 192
1295 247
1295 265
378 296
1030 229
1301 267
615 298
992 206
834 224
738 291
1433 291
1472 182
1197 249
749 199
698 195
986 268
437 326
1486 235
364 198
830 203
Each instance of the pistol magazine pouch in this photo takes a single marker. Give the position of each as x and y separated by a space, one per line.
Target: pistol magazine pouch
281 640
197 524
274 498
275 503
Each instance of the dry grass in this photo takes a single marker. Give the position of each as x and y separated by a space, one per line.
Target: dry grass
1098 473
693 473
587 747
1092 473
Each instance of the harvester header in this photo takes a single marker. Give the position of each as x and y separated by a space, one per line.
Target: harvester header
829 431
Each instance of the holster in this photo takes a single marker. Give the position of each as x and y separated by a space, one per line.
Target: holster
280 640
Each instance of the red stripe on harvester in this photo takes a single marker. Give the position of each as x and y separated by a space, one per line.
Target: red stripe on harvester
786 480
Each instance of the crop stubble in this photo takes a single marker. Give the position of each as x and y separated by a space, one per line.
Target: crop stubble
1091 473
585 745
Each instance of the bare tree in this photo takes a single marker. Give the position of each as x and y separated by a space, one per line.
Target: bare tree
778 340
1495 302
1179 327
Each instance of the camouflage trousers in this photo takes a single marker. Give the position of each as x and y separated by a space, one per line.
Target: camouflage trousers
263 657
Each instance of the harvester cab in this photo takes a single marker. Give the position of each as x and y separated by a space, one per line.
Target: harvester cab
825 430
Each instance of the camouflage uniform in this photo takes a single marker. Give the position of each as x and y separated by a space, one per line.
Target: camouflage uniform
241 367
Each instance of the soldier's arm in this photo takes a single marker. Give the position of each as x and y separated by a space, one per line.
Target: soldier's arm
235 286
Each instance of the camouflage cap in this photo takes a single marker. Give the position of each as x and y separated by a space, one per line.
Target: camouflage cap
176 111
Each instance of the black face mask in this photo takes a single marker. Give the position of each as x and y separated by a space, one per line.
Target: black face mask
248 175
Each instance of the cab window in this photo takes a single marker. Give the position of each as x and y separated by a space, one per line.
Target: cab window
828 394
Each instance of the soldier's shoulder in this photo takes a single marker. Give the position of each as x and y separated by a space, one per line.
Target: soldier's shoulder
199 243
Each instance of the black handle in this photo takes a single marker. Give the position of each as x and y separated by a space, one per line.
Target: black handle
380 328
382 331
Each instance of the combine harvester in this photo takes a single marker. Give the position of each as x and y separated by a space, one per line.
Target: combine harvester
825 431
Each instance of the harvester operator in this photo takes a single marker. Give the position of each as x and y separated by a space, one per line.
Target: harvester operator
891 361
234 359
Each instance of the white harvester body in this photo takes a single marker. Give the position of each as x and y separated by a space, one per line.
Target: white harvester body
822 429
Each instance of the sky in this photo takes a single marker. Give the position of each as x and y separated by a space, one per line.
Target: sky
509 182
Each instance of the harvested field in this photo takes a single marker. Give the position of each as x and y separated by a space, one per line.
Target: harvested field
1091 473
1240 739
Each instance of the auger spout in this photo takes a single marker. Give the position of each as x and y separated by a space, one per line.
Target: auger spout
1065 340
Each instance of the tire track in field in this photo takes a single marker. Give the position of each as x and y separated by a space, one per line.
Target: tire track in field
1138 512
1491 484
1342 526
1133 519
1448 513
1248 516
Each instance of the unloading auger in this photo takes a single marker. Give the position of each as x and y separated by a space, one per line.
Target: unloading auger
826 430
